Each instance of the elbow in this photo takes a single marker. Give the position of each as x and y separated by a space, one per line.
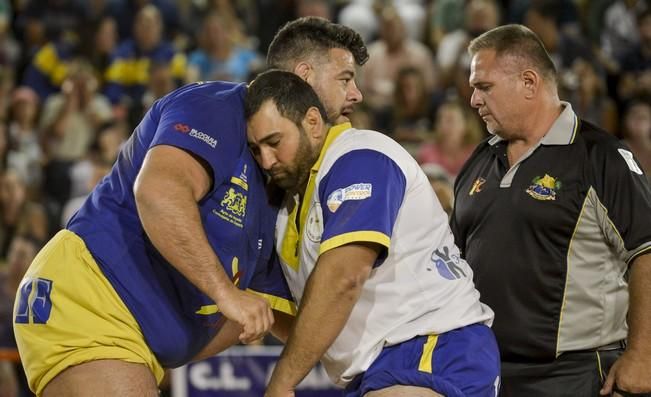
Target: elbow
351 284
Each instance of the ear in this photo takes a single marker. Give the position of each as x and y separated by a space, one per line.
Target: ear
531 81
303 70
313 123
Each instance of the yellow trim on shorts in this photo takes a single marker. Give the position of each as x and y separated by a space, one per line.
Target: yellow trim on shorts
425 364
88 320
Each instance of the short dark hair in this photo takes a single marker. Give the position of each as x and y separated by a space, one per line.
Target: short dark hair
517 41
309 36
292 96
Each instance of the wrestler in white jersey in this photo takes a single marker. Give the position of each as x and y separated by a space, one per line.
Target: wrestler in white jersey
421 287
360 188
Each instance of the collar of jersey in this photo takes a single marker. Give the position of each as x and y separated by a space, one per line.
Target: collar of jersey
291 244
562 132
333 133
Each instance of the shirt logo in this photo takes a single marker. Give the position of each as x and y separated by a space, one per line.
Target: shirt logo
630 161
358 191
447 264
314 225
233 207
544 188
185 129
477 185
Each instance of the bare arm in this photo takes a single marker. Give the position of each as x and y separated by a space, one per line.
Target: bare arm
332 290
632 371
167 190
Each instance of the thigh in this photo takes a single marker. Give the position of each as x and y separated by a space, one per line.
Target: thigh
67 313
403 391
103 378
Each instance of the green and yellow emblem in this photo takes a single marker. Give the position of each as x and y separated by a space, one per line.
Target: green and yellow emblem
544 188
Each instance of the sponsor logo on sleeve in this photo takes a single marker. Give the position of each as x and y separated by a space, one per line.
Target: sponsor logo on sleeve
358 191
194 133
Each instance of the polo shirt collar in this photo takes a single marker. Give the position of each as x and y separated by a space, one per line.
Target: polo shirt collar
562 132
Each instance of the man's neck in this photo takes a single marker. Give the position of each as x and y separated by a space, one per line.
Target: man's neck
536 126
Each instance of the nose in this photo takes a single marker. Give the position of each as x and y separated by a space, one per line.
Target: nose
354 94
475 100
267 159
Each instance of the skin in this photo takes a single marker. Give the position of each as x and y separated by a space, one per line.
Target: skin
514 102
335 284
520 107
332 77
167 190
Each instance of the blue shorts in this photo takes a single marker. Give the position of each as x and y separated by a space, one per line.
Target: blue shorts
464 362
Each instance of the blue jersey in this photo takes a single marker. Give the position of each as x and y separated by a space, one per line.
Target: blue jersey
177 320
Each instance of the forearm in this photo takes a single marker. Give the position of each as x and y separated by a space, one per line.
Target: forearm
227 336
331 292
639 320
283 323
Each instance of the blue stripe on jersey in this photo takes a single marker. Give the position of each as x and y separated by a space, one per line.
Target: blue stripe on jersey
361 192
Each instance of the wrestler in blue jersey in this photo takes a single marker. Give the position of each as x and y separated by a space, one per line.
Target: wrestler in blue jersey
235 214
101 291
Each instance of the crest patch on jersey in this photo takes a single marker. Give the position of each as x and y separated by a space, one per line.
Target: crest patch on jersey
630 161
544 188
358 191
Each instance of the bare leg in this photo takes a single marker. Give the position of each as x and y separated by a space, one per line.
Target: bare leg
403 391
103 378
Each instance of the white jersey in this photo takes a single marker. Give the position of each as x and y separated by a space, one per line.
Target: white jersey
366 188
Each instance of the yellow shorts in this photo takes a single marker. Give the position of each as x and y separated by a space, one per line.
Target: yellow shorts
67 313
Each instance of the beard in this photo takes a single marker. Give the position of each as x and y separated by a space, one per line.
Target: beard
292 177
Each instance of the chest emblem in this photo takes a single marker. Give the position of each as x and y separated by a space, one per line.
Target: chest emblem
232 207
477 186
544 188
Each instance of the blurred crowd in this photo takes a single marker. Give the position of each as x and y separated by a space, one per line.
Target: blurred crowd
76 76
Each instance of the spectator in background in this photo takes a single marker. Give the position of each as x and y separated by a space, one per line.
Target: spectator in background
128 73
619 33
22 251
219 56
636 132
362 16
70 118
408 119
585 88
479 16
542 17
87 172
456 134
13 196
25 155
392 52
99 44
446 16
442 184
68 126
635 65
48 68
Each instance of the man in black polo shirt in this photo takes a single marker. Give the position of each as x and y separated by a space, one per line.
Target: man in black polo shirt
554 216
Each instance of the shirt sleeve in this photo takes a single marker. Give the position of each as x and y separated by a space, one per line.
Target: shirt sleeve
360 196
625 195
211 128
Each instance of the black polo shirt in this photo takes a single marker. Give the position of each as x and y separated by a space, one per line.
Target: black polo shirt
551 238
